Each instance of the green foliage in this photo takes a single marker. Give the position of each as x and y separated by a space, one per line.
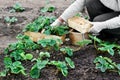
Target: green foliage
105 63
84 42
17 7
40 64
49 8
44 55
106 46
67 51
60 30
60 66
35 71
70 62
13 67
40 23
10 20
43 22
50 43
17 50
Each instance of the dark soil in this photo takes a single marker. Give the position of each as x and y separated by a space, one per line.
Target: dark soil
83 58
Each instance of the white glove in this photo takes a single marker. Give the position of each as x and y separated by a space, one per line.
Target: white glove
108 24
97 27
57 22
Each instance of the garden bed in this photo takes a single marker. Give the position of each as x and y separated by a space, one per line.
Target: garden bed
83 58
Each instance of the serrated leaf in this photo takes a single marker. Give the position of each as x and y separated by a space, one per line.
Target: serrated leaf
70 62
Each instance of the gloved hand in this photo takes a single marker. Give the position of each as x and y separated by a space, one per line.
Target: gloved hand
57 22
97 27
108 24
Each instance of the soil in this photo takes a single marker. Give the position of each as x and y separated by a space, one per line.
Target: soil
83 58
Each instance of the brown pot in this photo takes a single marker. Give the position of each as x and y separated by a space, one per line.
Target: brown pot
76 37
35 36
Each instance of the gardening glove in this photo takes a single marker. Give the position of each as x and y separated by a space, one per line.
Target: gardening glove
73 9
108 24
57 22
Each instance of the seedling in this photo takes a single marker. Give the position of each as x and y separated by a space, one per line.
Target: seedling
10 20
39 24
13 67
17 50
40 64
84 42
62 66
60 30
48 44
48 8
43 22
105 63
70 62
67 51
17 8
105 46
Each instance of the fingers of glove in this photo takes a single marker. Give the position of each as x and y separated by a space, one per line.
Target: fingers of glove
97 27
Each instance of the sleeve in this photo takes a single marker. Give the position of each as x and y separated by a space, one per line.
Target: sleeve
112 23
108 24
73 9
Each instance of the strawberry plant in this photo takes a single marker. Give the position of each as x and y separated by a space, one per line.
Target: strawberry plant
40 23
67 51
50 44
60 66
14 67
48 8
105 63
106 46
17 7
84 42
19 51
43 22
40 64
70 62
10 20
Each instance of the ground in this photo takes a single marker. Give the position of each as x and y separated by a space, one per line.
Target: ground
83 58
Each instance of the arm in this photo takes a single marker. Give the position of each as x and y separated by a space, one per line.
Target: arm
108 24
73 9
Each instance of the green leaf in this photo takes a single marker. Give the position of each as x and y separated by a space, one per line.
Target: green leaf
29 56
41 64
18 54
44 55
60 30
103 68
118 66
48 9
63 67
18 7
3 73
7 62
70 62
60 66
67 50
35 72
84 42
6 51
111 51
95 39
17 68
